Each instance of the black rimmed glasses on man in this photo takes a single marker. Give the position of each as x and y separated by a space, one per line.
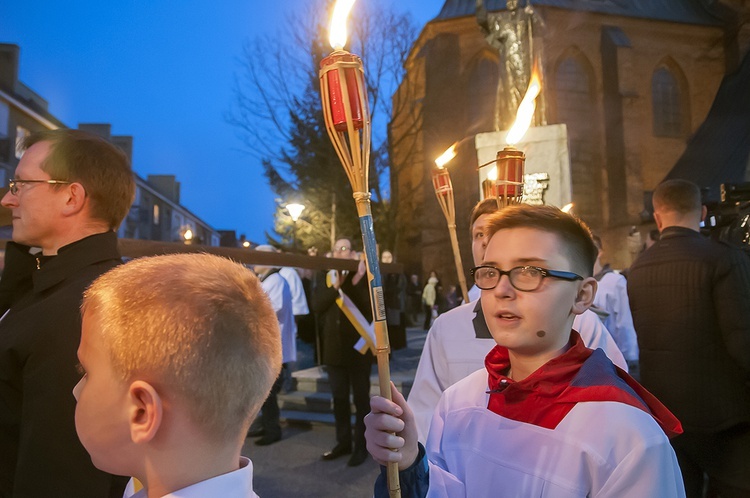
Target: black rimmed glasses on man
13 185
523 278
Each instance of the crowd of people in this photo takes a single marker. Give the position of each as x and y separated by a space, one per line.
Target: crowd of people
561 377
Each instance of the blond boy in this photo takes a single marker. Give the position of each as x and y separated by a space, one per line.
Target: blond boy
178 353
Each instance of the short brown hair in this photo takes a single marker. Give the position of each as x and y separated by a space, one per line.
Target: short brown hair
677 195
101 167
573 233
198 326
485 206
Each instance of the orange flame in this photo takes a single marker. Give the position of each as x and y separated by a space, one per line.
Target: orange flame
337 32
526 110
446 156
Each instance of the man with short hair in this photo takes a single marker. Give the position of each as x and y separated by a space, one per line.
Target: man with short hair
70 192
690 298
338 299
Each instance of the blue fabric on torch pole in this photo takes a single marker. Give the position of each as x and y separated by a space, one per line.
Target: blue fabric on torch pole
368 237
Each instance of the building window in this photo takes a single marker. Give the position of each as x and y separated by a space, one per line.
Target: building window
21 134
666 101
156 214
4 119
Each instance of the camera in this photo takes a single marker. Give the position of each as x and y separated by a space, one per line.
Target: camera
729 219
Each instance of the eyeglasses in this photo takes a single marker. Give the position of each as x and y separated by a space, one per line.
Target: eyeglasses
341 248
14 184
523 278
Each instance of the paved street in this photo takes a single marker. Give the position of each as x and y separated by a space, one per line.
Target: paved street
293 467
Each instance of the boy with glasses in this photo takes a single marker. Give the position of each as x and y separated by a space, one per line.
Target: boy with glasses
548 417
459 340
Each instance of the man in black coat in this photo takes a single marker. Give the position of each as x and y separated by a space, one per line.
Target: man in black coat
348 369
70 192
690 298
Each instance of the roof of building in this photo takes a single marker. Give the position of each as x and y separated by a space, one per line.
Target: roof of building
681 11
719 152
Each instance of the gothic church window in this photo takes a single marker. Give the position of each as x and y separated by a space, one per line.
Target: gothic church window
667 103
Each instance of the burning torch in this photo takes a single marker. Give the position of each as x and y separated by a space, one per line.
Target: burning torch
505 180
441 180
347 117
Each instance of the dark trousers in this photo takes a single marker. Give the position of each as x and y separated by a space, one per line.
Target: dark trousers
355 378
269 413
723 456
427 316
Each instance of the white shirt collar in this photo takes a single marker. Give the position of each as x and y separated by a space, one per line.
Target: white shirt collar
235 484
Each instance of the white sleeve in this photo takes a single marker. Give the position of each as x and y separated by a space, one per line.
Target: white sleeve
430 380
623 320
443 484
649 470
274 289
299 301
596 336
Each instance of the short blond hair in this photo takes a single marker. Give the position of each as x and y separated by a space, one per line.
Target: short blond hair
196 326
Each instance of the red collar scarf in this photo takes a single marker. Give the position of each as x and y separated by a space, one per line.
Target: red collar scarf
580 374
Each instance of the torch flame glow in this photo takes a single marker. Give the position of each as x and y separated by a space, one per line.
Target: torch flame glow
492 174
446 156
525 111
337 33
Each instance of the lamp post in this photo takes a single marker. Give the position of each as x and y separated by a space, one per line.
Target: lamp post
295 210
187 236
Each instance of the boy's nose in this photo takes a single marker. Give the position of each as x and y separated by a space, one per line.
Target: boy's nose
504 289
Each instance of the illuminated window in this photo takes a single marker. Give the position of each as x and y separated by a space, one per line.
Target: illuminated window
156 214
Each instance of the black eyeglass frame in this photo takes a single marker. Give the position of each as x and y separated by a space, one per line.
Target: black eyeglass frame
545 272
14 184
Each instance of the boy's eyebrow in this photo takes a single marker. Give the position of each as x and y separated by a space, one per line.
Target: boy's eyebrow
520 261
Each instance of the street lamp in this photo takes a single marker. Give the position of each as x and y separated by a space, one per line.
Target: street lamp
295 210
187 235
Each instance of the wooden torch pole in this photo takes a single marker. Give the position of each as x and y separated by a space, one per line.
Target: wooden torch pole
347 117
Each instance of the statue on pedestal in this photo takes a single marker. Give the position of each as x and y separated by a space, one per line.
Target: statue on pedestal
515 33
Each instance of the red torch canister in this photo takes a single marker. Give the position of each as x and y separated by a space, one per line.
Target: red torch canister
441 180
336 92
510 169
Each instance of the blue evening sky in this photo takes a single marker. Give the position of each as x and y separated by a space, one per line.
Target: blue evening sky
161 71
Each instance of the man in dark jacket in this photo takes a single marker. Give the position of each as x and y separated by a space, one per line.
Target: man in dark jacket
348 369
690 298
70 192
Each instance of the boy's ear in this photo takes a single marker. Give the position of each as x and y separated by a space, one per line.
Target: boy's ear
146 411
585 296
